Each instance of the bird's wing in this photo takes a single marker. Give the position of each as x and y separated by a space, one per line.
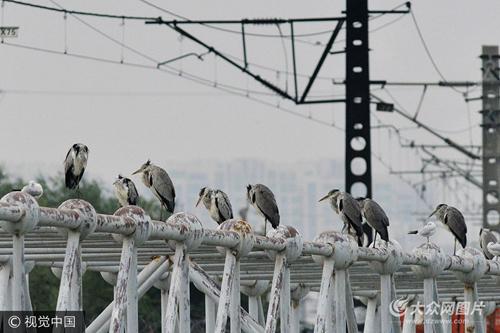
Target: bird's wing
373 212
487 237
164 187
350 208
133 196
265 201
456 222
223 205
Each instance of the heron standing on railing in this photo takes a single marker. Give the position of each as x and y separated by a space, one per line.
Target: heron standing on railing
75 164
125 191
454 221
349 211
375 217
159 182
262 199
217 203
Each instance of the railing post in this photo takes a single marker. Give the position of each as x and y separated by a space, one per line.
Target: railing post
410 313
254 293
473 319
126 298
28 267
325 308
146 278
209 287
5 297
429 273
371 314
18 229
164 285
344 255
298 292
279 297
229 301
70 297
386 269
178 296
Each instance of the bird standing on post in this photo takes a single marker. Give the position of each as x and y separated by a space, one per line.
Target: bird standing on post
426 231
375 217
33 188
159 182
262 199
486 237
217 203
125 191
454 221
75 164
349 211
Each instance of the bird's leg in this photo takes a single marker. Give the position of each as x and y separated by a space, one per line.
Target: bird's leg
161 212
265 228
455 248
427 241
374 239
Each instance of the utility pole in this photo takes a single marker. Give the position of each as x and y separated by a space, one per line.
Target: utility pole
491 137
357 98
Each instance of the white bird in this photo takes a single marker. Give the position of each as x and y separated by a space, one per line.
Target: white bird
125 191
426 231
217 203
494 248
75 164
34 189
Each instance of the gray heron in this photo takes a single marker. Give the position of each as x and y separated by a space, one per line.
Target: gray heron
494 249
426 231
75 164
159 182
375 217
486 237
125 191
262 199
349 211
217 203
453 221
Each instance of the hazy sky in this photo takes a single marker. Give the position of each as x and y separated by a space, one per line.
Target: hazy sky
127 114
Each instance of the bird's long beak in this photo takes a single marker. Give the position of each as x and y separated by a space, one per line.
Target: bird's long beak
434 212
324 198
136 172
198 202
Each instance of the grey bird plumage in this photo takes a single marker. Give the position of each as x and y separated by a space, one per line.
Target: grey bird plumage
453 221
125 191
349 211
375 217
75 164
262 199
217 203
485 237
159 182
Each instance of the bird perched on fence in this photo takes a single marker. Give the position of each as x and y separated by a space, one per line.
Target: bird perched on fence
33 188
486 237
375 217
159 182
217 203
125 191
453 221
349 211
262 199
426 231
75 164
494 249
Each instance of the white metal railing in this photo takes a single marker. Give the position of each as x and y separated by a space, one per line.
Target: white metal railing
332 265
